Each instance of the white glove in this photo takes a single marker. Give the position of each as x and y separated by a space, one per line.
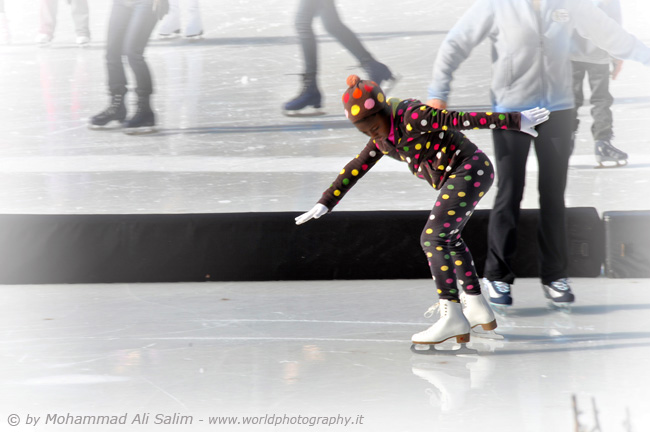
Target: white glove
531 118
317 211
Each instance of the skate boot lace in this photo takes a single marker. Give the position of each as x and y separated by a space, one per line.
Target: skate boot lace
139 109
432 310
501 287
115 105
560 285
605 148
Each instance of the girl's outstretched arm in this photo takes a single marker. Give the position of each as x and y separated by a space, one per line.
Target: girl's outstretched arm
425 119
349 175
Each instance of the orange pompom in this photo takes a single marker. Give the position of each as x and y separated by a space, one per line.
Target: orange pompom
352 80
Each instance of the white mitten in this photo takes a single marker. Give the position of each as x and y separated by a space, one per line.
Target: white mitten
317 211
531 118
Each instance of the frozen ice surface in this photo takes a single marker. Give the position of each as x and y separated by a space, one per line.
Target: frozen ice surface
224 145
321 349
313 349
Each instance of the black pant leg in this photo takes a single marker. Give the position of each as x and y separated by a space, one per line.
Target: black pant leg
142 22
307 10
601 101
579 72
341 32
117 25
553 149
450 260
511 152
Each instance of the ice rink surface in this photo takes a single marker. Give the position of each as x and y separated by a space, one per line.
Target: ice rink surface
181 352
329 348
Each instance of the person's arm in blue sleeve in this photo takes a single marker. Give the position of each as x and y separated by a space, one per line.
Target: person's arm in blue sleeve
468 32
592 23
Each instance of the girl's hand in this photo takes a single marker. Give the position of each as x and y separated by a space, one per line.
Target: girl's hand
531 118
317 211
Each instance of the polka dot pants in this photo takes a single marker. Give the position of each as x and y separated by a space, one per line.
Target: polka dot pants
449 258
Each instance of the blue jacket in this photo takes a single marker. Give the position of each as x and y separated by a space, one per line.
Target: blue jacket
585 51
531 64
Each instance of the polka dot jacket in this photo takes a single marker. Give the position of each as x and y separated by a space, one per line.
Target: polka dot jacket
427 139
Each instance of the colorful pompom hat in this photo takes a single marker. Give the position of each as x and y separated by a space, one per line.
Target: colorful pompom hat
362 98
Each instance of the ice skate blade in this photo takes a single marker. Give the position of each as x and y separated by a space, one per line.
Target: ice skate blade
172 35
140 131
305 112
485 334
615 164
108 126
561 307
432 350
501 309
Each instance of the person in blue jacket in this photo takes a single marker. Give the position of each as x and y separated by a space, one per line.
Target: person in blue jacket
531 66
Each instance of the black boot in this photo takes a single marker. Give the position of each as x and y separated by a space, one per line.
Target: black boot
116 111
379 72
144 119
309 95
606 152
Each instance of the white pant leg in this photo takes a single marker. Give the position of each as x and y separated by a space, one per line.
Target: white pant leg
48 11
80 17
172 21
193 27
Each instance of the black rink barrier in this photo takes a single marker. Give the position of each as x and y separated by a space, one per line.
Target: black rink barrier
627 244
38 249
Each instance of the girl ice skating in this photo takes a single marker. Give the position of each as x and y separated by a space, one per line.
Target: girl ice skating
429 142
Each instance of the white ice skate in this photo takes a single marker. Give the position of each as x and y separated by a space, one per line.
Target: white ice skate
43 39
452 324
83 41
451 385
480 316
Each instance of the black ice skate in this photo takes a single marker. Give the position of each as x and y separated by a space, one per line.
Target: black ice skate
116 111
195 37
499 294
144 120
379 73
309 97
176 33
559 294
606 152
